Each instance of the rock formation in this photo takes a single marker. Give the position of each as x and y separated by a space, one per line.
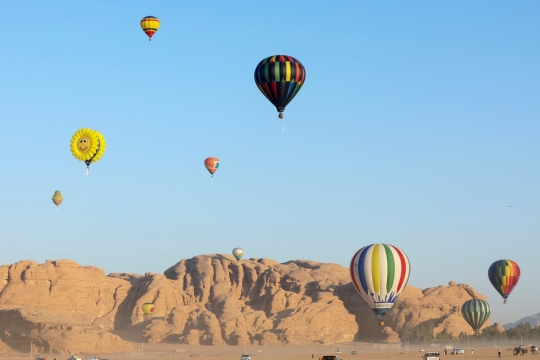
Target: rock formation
208 300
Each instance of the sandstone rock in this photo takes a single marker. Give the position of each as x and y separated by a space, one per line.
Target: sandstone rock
207 300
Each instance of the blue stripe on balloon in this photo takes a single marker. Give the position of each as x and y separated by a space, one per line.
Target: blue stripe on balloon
361 273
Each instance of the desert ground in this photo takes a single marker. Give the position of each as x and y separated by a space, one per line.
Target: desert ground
288 352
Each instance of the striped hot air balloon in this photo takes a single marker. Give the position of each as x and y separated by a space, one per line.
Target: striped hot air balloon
380 273
504 276
280 78
475 312
150 24
211 164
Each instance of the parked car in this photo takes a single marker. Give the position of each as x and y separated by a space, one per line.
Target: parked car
457 351
431 356
330 357
338 351
354 352
245 357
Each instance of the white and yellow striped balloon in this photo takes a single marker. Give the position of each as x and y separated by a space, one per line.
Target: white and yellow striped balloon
380 273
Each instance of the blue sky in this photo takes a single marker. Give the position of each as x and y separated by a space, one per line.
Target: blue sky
417 126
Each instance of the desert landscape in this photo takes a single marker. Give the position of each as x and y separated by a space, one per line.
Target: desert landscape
210 305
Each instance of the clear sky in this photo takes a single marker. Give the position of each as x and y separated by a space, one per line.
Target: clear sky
418 126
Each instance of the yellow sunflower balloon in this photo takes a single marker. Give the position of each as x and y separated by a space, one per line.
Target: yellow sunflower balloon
87 145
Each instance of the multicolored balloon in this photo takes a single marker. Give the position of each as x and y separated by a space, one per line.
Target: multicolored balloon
475 312
87 145
150 24
57 198
380 272
280 78
148 308
211 164
238 253
504 276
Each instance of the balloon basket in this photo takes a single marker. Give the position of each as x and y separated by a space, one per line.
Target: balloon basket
381 322
505 302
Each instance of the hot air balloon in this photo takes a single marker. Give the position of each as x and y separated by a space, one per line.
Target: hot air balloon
279 78
504 276
150 24
475 312
211 164
380 272
57 198
148 309
87 145
238 253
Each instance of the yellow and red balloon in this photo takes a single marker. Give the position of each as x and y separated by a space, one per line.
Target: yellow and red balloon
148 308
150 24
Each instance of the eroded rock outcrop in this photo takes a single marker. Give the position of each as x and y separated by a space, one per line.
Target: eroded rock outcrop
207 300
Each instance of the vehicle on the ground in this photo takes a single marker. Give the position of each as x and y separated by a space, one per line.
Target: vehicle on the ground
330 357
521 349
354 352
338 351
421 350
40 358
457 351
534 349
431 356
448 347
72 358
245 357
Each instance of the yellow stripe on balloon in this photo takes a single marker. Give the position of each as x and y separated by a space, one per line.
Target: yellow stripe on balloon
375 269
288 71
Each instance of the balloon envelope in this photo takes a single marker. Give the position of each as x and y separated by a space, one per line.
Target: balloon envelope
380 272
87 145
57 198
280 78
238 253
504 276
148 308
150 24
475 312
211 164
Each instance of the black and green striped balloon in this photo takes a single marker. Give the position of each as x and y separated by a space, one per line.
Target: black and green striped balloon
475 312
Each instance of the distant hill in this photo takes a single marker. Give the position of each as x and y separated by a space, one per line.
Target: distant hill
534 320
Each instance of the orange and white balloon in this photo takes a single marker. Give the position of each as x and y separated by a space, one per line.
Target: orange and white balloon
211 164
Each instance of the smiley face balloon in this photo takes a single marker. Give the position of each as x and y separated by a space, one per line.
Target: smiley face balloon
87 145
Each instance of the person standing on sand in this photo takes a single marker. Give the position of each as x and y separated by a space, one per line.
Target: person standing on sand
472 351
499 352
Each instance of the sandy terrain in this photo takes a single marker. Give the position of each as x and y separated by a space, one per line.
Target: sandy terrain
290 352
